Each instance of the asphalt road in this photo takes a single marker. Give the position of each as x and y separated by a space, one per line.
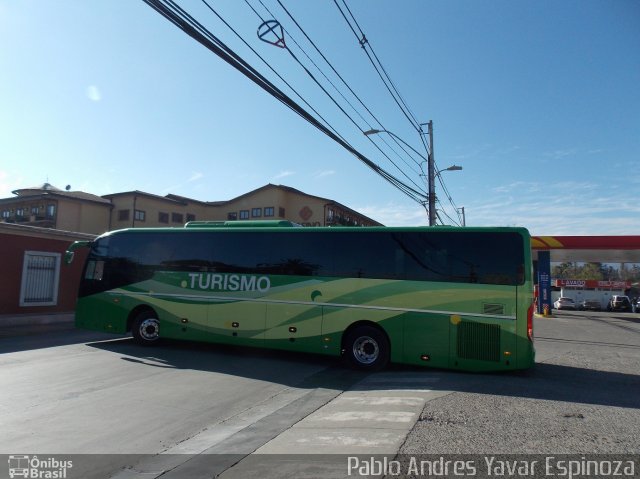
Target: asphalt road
68 392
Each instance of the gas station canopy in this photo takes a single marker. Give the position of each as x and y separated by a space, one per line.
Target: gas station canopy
588 249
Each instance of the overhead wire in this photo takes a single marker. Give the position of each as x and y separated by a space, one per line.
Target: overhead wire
269 66
443 211
307 56
386 80
335 71
449 198
336 103
157 5
390 85
180 18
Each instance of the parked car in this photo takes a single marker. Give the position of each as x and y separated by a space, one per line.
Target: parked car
564 303
620 303
590 305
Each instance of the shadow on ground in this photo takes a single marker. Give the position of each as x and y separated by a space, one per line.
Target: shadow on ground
553 382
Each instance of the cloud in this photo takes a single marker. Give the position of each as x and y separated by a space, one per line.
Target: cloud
394 214
516 185
544 208
195 176
93 93
524 187
284 174
563 207
561 153
322 174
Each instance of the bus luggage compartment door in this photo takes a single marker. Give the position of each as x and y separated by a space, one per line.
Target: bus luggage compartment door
237 322
294 327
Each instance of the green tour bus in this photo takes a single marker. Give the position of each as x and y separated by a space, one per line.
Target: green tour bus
443 297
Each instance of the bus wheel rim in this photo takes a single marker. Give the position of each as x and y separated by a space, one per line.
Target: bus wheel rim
365 350
150 329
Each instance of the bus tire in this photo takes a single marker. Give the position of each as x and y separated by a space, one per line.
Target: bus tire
145 328
366 348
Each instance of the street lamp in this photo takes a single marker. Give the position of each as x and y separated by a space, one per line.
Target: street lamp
431 173
431 210
451 168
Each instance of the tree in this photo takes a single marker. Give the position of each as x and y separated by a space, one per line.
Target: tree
596 271
592 271
564 271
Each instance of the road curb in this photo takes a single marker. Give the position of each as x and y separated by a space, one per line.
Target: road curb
35 319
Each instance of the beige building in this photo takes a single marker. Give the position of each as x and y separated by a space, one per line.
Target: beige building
270 202
49 207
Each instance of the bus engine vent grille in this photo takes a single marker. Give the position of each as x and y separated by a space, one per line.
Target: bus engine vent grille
493 308
478 341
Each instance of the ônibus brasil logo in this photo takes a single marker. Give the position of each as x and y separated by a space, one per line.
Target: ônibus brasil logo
33 467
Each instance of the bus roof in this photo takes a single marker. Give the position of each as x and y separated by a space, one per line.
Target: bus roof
243 224
283 225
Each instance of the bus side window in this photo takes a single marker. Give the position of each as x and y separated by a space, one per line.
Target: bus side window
399 264
91 267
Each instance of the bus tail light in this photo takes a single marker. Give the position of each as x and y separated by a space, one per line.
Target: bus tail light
530 322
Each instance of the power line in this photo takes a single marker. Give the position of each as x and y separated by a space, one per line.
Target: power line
457 223
269 66
313 44
446 190
386 79
305 54
334 101
180 18
404 103
389 84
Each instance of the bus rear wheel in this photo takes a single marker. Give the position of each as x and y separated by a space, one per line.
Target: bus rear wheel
146 328
366 348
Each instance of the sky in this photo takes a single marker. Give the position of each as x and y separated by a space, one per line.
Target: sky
538 101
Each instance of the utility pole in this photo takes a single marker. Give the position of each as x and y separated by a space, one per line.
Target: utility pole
464 221
431 177
431 166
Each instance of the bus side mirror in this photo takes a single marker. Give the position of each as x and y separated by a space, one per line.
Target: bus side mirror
70 253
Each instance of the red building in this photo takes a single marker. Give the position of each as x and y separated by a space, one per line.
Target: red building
34 279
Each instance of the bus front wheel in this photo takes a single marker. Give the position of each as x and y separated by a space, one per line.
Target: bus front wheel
366 348
146 328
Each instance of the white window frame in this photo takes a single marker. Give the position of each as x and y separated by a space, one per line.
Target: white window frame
56 278
139 215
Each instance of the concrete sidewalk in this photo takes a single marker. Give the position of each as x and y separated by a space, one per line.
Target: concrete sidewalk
374 417
371 418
